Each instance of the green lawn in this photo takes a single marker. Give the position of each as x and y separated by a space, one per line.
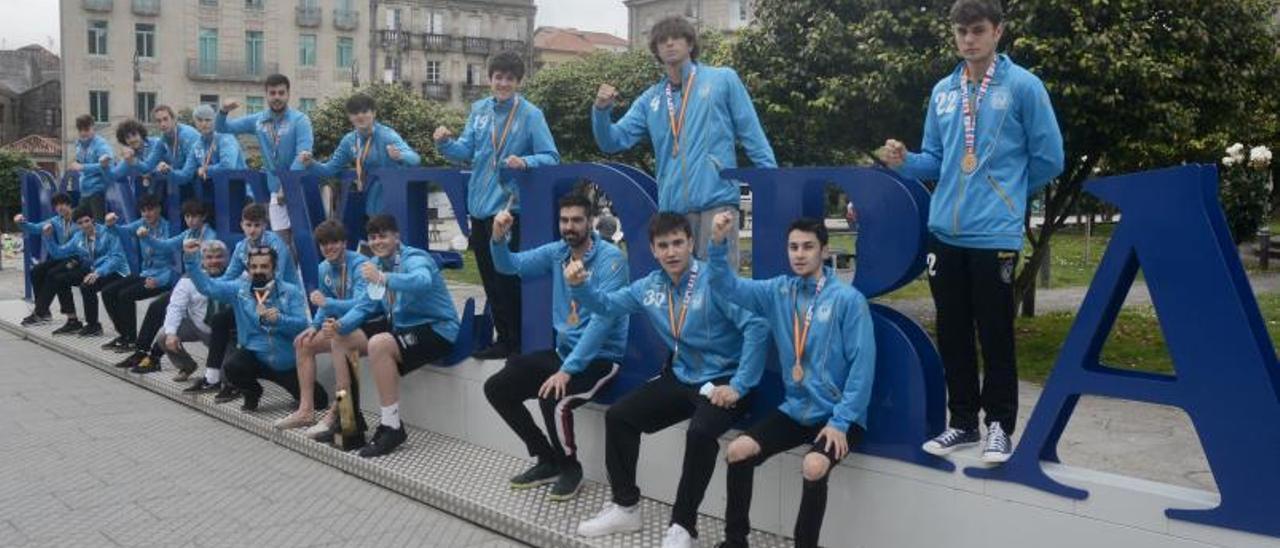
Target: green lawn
469 273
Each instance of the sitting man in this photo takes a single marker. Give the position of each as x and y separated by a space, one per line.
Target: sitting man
185 318
98 261
62 228
159 273
587 352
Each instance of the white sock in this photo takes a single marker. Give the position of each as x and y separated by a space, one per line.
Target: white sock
212 376
391 416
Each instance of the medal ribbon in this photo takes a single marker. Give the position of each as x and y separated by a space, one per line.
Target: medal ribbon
208 156
677 327
360 156
800 337
677 126
498 145
971 111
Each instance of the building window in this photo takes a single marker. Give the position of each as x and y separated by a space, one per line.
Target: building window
208 51
738 13
254 4
253 52
393 19
211 100
49 119
474 74
433 72
346 52
435 22
473 26
144 37
307 50
146 100
254 104
306 105
99 106
97 37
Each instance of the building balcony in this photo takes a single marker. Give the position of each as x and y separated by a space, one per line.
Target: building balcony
258 5
346 19
476 45
473 92
511 45
307 16
146 7
230 71
393 39
437 91
439 42
98 5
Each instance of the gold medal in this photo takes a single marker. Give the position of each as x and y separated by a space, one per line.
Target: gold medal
797 372
969 163
573 314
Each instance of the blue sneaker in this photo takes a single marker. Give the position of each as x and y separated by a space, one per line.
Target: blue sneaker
950 440
999 448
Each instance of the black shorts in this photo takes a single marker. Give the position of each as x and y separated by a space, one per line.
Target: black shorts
420 345
777 432
375 326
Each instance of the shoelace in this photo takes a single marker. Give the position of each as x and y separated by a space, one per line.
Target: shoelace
950 436
997 441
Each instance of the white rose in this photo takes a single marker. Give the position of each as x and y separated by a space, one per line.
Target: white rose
1228 161
1235 149
1259 157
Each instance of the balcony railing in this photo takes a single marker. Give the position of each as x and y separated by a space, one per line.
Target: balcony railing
476 45
345 19
146 7
438 91
98 5
437 42
393 39
229 70
511 45
307 16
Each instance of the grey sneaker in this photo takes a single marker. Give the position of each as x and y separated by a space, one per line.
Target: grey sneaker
999 448
542 473
950 440
566 487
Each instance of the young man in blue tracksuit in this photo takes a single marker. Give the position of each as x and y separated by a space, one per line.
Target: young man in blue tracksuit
283 135
269 312
159 271
367 147
211 151
172 148
98 260
587 353
823 331
715 357
137 148
694 116
991 140
504 131
60 228
404 285
93 162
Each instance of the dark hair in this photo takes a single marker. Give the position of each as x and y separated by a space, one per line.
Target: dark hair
330 231
254 212
381 223
509 62
666 222
60 198
968 12
360 103
164 108
263 250
81 212
674 26
130 127
148 201
193 207
576 199
812 226
276 80
84 121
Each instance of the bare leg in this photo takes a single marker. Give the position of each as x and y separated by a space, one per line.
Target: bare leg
384 355
306 352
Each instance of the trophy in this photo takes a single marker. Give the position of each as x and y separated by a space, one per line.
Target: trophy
351 423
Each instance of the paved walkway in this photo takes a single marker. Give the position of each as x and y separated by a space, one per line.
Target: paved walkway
92 461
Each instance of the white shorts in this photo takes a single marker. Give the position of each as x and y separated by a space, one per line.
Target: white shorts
279 215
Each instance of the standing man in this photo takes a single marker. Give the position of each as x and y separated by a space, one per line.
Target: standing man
174 145
714 358
61 229
586 355
93 161
693 117
283 135
368 146
503 131
991 140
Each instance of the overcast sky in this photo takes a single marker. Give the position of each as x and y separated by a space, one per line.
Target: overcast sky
27 21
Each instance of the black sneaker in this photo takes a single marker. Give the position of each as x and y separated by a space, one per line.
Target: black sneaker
251 400
184 364
542 473
496 351
200 386
90 330
226 394
385 440
36 319
132 361
950 440
566 486
114 344
146 365
72 326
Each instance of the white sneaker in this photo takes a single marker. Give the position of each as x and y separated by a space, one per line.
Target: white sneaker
612 519
677 537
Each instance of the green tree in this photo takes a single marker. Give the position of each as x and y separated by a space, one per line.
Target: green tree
11 165
412 116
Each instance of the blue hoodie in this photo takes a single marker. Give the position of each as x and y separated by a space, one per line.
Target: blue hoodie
840 352
1019 149
593 338
93 178
718 338
173 149
157 262
272 343
240 258
720 114
421 296
62 233
529 138
107 256
226 155
349 149
292 128
331 284
138 166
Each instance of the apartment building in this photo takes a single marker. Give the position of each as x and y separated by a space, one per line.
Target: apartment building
718 15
